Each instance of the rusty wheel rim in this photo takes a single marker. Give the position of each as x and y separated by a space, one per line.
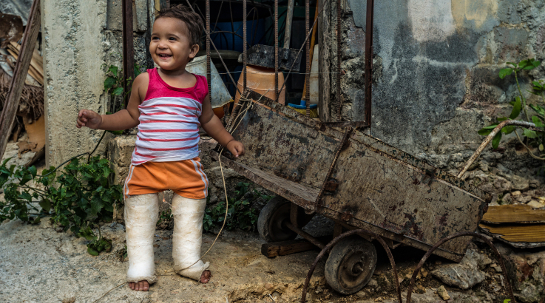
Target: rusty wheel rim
355 268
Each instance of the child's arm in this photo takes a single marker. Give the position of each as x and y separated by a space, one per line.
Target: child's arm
213 127
123 119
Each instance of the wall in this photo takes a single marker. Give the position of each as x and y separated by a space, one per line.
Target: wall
436 78
81 38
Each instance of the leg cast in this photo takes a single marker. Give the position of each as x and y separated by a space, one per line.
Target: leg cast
187 237
141 215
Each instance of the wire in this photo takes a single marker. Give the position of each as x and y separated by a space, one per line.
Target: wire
243 113
83 154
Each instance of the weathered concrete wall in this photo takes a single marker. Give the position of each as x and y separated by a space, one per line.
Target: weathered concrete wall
433 53
436 81
81 38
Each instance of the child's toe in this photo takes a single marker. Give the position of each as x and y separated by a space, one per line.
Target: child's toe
205 277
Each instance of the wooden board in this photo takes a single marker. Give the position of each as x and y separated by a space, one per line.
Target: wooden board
518 235
36 132
275 249
520 213
35 69
11 104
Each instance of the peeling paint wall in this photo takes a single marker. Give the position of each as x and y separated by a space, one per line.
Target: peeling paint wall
81 38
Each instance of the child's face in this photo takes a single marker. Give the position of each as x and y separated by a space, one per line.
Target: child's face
170 46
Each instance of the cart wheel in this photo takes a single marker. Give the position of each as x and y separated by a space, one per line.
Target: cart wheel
270 223
350 265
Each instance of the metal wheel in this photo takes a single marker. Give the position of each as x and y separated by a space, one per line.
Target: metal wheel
350 265
270 223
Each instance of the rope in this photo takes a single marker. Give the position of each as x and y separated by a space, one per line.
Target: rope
243 113
108 292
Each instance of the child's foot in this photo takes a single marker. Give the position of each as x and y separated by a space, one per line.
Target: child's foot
143 285
205 277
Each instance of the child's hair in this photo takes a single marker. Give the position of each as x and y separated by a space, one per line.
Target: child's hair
191 19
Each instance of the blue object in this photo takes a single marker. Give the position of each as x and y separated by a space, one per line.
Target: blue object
303 105
224 39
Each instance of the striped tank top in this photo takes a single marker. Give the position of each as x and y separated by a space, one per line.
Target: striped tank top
169 121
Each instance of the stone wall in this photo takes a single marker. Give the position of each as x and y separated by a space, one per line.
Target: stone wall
436 81
80 39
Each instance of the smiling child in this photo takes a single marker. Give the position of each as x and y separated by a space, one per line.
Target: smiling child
168 104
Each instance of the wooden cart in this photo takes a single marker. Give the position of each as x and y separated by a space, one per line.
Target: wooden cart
354 179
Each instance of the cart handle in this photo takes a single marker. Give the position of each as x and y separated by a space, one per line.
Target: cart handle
490 137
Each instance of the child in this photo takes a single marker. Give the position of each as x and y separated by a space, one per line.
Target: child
168 104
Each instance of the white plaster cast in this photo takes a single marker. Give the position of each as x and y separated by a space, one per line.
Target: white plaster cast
141 215
187 236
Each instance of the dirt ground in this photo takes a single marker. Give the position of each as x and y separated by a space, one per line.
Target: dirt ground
39 264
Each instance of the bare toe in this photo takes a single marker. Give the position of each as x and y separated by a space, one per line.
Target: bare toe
139 286
205 277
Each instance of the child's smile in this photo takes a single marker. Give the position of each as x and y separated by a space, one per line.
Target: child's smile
170 45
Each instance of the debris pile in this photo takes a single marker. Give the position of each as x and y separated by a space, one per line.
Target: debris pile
27 142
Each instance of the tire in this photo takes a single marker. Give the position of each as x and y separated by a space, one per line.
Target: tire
270 223
350 265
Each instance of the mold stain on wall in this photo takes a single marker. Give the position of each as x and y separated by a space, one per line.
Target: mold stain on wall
478 13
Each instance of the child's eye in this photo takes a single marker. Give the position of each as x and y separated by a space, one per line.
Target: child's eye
172 39
154 38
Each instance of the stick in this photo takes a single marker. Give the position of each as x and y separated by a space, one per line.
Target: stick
287 34
19 75
489 138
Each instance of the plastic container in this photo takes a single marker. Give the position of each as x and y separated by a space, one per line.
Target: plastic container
261 80
219 95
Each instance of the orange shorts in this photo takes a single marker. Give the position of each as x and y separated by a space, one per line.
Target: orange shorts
186 178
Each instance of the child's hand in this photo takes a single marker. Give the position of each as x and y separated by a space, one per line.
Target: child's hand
89 118
236 148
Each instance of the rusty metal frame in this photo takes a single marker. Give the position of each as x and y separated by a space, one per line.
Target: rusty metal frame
128 47
369 61
364 233
306 45
342 145
129 63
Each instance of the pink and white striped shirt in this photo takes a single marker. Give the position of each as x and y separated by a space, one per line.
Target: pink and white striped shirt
169 121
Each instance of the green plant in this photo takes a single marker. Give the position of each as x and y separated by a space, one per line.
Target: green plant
77 198
113 84
165 217
240 213
520 105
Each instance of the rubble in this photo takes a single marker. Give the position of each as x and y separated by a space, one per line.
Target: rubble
442 292
465 274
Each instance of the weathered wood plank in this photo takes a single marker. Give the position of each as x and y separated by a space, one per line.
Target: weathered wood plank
324 77
520 213
285 148
275 249
19 75
383 191
296 192
518 235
